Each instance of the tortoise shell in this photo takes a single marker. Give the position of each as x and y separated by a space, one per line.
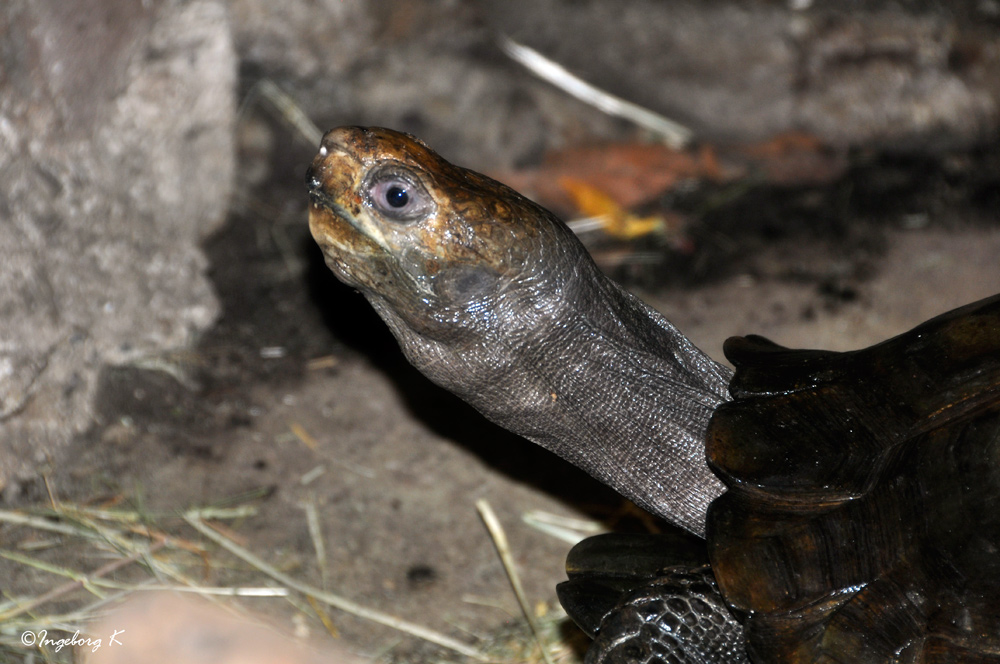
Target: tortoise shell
862 517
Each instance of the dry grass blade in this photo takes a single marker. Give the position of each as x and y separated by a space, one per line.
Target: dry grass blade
316 535
130 537
194 519
503 548
83 581
674 134
567 529
41 523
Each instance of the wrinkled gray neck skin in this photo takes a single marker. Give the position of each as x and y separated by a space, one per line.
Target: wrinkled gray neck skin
568 359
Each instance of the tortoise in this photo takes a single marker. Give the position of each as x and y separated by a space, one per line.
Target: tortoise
850 501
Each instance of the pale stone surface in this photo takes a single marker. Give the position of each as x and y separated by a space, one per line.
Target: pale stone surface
116 125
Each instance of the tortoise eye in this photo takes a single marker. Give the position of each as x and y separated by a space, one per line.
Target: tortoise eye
398 197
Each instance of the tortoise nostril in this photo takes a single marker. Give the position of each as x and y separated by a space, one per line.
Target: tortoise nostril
312 181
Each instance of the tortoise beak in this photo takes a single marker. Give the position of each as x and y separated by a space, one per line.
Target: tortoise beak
325 177
322 201
337 218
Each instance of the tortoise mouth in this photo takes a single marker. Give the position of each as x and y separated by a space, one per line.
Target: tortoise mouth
324 204
336 210
337 232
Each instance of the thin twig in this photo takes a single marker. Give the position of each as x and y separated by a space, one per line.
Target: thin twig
336 601
674 134
503 548
291 112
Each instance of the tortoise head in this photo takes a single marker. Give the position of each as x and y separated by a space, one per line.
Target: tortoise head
442 246
492 297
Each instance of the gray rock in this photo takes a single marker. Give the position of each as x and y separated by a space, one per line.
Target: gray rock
874 74
732 70
426 67
116 159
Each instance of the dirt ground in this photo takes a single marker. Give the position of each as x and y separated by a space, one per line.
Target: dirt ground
299 401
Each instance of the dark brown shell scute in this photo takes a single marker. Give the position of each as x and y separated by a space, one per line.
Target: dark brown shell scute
862 522
819 422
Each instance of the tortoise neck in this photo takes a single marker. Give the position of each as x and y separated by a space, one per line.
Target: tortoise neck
600 379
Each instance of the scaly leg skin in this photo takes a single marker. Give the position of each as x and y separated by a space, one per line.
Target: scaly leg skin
677 619
649 598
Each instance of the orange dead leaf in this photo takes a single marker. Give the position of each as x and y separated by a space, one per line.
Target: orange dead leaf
616 220
629 173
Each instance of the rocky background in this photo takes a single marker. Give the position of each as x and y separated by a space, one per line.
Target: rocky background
172 339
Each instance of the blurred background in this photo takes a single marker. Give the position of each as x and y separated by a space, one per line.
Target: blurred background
172 340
